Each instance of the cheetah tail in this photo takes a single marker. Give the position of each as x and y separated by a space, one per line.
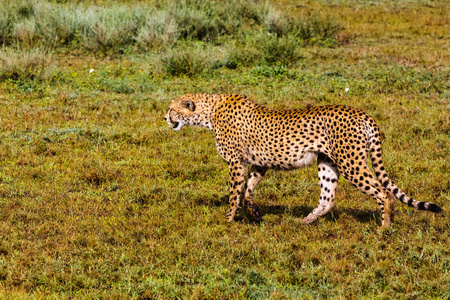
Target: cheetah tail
380 172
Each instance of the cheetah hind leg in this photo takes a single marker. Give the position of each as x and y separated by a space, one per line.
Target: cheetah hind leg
389 206
255 176
328 179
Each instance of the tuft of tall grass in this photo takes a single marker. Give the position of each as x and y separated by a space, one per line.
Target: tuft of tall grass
283 50
111 29
274 20
158 31
30 64
25 31
185 60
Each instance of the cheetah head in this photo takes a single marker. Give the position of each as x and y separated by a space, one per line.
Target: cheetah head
190 110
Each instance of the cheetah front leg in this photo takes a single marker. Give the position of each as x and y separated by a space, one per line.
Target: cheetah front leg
256 174
237 175
328 179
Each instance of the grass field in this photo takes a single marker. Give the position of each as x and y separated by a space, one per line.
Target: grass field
100 198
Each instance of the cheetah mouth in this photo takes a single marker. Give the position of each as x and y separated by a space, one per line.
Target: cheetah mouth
177 125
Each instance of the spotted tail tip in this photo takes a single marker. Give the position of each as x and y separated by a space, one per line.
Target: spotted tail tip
436 209
432 207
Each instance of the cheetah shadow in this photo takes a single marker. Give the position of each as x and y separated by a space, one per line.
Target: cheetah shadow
298 211
301 211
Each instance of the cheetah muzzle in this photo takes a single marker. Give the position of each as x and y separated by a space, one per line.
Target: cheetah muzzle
339 138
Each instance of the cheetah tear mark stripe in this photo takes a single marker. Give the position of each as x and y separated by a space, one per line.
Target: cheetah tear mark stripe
374 143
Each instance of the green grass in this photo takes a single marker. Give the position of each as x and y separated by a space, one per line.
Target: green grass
99 198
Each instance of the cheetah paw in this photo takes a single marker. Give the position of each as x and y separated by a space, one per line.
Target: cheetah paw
308 220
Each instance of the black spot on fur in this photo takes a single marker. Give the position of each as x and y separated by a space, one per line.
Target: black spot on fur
421 206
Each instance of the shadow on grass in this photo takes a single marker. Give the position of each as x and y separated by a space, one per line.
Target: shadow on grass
361 215
298 211
301 211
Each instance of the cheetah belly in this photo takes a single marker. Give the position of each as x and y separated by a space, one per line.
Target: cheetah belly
293 161
308 159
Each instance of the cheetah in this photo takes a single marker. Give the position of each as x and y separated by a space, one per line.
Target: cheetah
339 137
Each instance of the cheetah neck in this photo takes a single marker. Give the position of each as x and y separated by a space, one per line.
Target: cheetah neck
213 101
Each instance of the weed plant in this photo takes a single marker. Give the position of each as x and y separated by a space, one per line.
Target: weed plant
99 198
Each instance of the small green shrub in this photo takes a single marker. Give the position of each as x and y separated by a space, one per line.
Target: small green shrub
197 24
123 87
283 50
110 30
240 55
185 61
278 70
25 8
61 29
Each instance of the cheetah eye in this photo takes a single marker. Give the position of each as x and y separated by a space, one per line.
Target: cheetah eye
189 105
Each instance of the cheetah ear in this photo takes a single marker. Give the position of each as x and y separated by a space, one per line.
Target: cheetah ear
189 105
